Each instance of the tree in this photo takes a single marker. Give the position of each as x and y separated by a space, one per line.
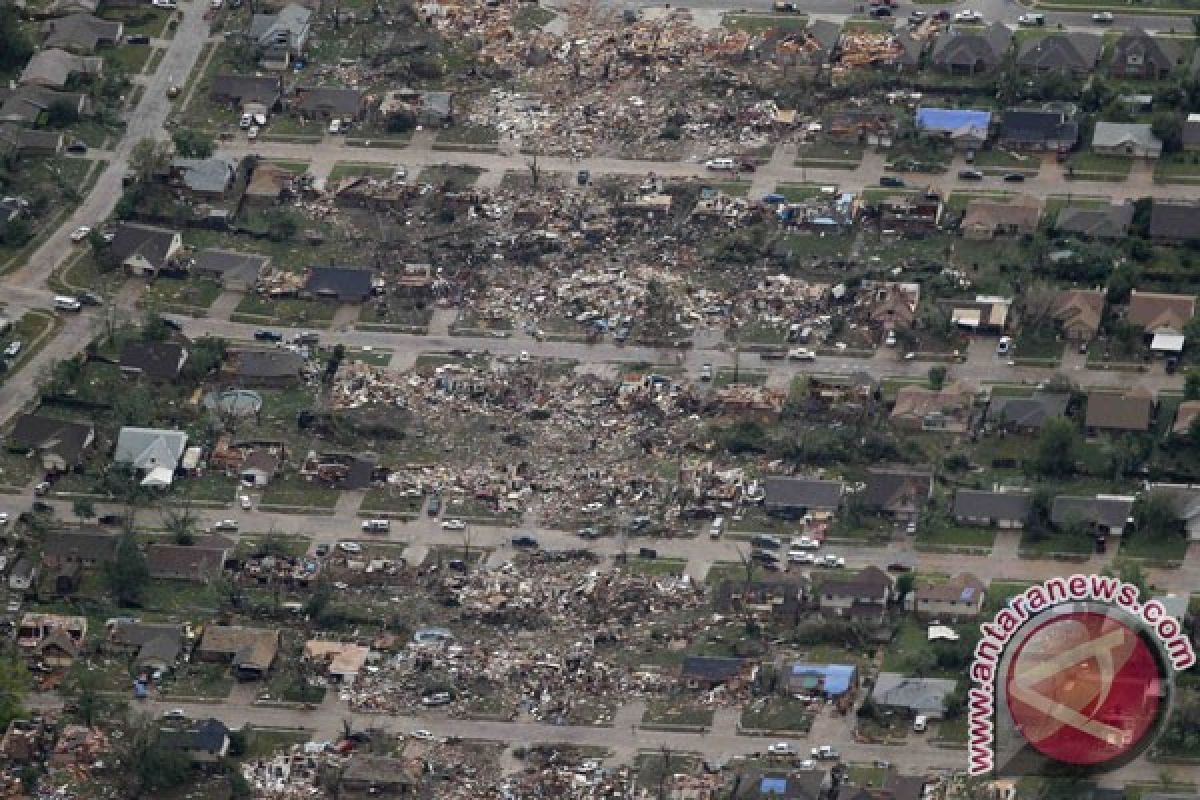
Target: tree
127 574
1168 127
61 114
937 377
14 685
149 158
180 521
155 329
207 354
191 143
281 226
15 47
335 362
83 508
146 766
401 122
1056 450
904 585
84 689
1155 517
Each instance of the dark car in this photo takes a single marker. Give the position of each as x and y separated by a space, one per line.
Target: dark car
137 38
899 566
589 533
970 175
524 541
770 542
583 177
457 564
90 299
45 508
647 553
173 324
1015 177
111 519
747 166
881 12
942 16
322 550
890 180
77 147
1172 365
764 557
268 336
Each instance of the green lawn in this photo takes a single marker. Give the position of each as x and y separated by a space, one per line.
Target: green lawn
677 711
32 330
777 714
1183 167
189 295
1167 548
1079 544
999 592
796 192
1038 343
130 59
725 377
199 680
350 169
815 154
475 135
937 531
292 490
391 499
285 310
760 23
1093 163
655 567
262 743
1003 158
453 178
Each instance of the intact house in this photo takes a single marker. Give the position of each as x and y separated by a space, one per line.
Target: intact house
1140 56
327 102
204 178
1185 415
249 651
947 409
795 497
343 284
247 93
28 106
1134 139
709 672
154 646
960 597
1078 313
235 271
203 741
341 662
1038 129
1106 222
984 314
912 696
862 596
1129 411
1027 414
282 36
154 453
1162 318
969 51
1075 54
22 575
986 219
1102 515
808 784
1175 221
832 681
158 362
964 128
900 493
263 368
54 68
81 33
144 249
88 547
1184 500
199 562
1008 510
60 443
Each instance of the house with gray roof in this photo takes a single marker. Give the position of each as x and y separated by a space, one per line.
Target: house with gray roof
912 696
153 452
1068 53
281 36
1008 510
1184 500
900 492
1100 515
969 51
1135 139
1027 414
28 105
1038 129
275 368
233 270
1140 56
204 178
1175 221
144 249
329 101
1096 222
81 33
795 497
242 91
52 68
59 443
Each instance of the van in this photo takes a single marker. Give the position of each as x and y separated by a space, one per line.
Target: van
435 506
63 303
725 164
718 525
376 525
920 723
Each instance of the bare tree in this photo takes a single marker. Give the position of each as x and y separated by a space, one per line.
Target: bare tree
1038 305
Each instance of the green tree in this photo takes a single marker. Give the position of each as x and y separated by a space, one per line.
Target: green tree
191 143
1168 127
335 362
180 521
1057 446
937 377
207 354
85 690
904 585
146 766
281 226
15 46
83 508
61 114
149 158
14 685
155 329
1155 517
127 574
1191 381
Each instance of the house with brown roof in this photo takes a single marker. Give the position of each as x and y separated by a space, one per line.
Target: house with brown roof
1077 313
987 219
892 305
898 492
862 596
249 651
87 547
59 443
1184 416
198 562
947 409
1138 55
1155 312
1132 410
960 597
81 33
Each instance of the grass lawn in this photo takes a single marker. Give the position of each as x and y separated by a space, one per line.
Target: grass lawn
212 487
144 19
199 680
1077 544
677 711
452 178
254 546
1184 167
1038 343
946 532
1092 163
725 377
818 154
1003 158
286 311
777 714
867 26
758 23
1170 548
264 742
952 730
651 568
172 294
999 592
529 17
958 200
653 766
797 192
130 59
390 499
910 641
292 490
31 330
350 169
757 332
479 135
731 188
446 552
865 777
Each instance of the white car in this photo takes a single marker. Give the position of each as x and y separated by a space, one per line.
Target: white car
3 517
834 561
216 4
252 134
779 749
350 547
245 502
421 733
80 233
246 121
226 525
967 15
1004 345
801 557
1031 19
174 713
454 525
1102 18
805 543
335 126
592 508
890 339
802 354
400 173
807 764
167 4
13 348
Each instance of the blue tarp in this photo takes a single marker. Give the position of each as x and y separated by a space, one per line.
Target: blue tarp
836 679
773 786
953 119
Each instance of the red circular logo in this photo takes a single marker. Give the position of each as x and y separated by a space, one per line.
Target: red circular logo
1084 688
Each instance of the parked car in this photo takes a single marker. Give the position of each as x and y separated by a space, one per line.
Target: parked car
805 543
780 749
719 164
245 502
90 299
891 181
421 733
252 134
226 525
268 336
767 541
942 16
80 233
174 713
170 5
524 541
77 147
764 557
917 16
111 519
41 489
825 753
648 553
970 175
1004 345
435 505
14 347
350 547
801 557
1031 19
42 507
801 354
335 126
832 561
1015 177
437 699
967 15
1103 18
376 525
454 525
706 372
137 38
881 12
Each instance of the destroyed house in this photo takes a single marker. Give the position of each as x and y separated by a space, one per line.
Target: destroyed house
907 213
809 784
961 127
250 651
778 597
821 680
948 409
379 776
709 672
340 661
343 284
60 443
795 497
35 628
